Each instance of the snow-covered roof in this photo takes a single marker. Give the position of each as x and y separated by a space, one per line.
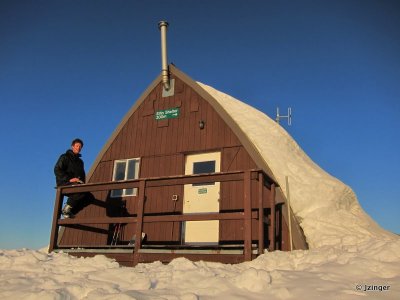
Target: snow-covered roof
327 209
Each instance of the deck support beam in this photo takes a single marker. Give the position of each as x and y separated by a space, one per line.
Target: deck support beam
273 221
139 223
260 214
247 216
56 216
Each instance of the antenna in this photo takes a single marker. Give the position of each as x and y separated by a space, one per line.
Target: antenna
289 116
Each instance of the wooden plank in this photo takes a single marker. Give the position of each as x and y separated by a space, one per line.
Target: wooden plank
159 132
147 141
178 129
165 218
173 136
101 220
247 215
194 102
125 143
157 181
273 222
132 124
199 217
94 248
164 141
56 216
152 128
142 133
192 123
138 133
260 213
210 129
167 257
192 250
186 126
139 223
198 178
95 187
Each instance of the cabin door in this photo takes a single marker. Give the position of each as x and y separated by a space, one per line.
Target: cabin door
201 198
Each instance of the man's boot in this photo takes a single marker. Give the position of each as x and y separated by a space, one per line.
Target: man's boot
67 211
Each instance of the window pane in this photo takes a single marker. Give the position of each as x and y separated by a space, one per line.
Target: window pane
120 171
204 167
125 170
129 192
132 166
116 193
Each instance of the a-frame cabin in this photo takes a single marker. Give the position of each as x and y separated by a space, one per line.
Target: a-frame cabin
181 172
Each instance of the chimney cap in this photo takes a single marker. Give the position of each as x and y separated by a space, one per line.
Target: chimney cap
162 23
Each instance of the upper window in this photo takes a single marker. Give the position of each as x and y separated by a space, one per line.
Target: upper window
203 167
125 169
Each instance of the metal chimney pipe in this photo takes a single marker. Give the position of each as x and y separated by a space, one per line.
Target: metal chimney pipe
163 25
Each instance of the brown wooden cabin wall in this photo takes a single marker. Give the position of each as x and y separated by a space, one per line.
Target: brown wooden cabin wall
161 146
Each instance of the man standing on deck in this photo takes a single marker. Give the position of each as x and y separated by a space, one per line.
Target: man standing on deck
69 169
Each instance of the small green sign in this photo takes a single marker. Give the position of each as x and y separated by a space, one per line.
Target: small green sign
202 191
170 113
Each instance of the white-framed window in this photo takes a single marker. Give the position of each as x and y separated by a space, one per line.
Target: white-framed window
125 169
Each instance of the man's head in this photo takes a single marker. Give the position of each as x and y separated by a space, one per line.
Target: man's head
76 146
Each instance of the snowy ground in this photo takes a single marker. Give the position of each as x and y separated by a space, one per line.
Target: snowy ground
324 273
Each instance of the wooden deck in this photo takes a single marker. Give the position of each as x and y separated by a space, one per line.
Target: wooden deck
141 251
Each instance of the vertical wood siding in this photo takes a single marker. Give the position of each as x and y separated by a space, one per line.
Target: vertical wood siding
161 147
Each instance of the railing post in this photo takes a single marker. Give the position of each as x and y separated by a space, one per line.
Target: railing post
247 215
260 213
273 222
56 216
139 223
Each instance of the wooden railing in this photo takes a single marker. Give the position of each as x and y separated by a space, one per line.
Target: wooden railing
141 184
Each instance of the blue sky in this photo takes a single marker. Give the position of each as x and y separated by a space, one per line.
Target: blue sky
74 68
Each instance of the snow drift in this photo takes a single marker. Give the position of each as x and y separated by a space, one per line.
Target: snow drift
323 273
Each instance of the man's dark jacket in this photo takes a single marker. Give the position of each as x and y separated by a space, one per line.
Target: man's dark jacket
68 166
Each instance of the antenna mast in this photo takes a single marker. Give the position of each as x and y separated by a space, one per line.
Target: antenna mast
288 116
